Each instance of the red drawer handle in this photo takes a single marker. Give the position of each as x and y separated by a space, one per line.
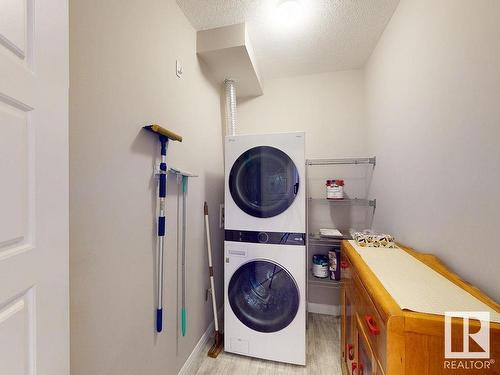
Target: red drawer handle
372 326
354 366
350 351
344 264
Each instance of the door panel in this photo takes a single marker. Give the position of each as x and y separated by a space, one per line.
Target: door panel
17 335
16 182
13 25
264 181
264 296
16 100
34 329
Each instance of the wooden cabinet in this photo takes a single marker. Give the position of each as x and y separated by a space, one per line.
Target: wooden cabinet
358 324
379 338
365 360
348 353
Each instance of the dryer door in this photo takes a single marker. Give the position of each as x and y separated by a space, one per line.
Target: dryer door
263 296
263 181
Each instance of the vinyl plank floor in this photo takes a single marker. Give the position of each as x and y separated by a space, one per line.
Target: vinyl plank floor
323 355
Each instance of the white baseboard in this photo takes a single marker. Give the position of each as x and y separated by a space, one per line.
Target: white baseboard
199 349
319 308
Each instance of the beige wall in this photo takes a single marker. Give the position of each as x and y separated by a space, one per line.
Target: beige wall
433 91
123 76
328 107
428 110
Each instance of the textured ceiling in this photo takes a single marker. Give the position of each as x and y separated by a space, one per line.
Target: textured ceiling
331 34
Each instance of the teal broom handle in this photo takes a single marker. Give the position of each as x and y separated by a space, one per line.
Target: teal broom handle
184 223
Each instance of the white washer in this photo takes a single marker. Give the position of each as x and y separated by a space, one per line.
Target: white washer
264 290
265 182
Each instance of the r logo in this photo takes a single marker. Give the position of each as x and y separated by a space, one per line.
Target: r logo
481 337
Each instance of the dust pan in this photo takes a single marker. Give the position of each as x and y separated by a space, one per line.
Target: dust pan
217 346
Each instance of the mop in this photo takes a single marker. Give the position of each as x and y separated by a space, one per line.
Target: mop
164 136
182 178
184 223
217 346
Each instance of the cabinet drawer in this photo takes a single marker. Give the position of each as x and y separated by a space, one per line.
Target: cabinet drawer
373 325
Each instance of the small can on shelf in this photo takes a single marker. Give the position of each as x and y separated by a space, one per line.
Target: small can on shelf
320 266
334 189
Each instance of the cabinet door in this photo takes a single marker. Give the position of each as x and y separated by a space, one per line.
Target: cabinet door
348 344
348 323
364 362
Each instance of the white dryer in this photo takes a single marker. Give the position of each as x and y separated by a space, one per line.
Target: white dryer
265 182
264 312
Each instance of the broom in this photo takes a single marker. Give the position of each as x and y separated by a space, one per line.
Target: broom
217 346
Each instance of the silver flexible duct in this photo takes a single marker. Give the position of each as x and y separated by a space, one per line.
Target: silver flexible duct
230 89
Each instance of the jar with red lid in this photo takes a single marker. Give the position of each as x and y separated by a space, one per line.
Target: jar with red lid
335 189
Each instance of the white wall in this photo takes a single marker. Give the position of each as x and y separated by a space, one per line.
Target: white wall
433 95
329 107
427 105
122 77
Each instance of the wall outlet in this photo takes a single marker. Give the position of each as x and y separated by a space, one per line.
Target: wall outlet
178 69
221 216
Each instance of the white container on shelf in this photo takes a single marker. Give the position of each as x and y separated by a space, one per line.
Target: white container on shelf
320 266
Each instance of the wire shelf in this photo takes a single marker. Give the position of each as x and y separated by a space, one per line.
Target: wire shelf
326 283
315 239
347 202
371 161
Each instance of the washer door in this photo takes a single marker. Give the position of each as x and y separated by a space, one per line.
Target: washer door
264 296
264 181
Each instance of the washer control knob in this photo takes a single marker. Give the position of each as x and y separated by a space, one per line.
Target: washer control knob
263 237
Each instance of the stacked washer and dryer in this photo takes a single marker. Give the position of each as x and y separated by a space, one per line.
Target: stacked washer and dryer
264 247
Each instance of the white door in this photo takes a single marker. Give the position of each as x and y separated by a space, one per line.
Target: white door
34 329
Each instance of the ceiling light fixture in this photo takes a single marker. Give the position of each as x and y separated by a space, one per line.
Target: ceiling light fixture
288 14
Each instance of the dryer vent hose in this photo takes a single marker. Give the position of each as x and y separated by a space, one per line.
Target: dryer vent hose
230 90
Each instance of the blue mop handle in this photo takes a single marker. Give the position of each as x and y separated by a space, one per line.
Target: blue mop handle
162 193
159 320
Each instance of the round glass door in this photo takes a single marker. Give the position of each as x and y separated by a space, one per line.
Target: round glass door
263 181
264 296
